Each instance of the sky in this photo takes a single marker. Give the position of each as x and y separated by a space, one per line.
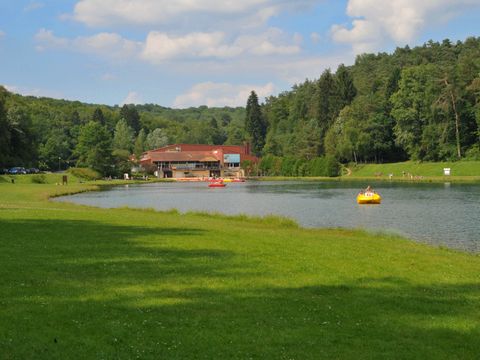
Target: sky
183 53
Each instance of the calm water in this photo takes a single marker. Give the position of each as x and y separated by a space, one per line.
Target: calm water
439 214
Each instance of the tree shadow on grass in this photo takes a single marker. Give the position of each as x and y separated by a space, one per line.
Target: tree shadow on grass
351 321
92 290
315 322
78 250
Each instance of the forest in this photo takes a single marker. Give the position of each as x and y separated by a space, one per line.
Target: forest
419 103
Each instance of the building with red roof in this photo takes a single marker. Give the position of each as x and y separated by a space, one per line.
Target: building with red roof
198 161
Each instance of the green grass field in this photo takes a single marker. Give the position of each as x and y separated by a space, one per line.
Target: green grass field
459 170
85 283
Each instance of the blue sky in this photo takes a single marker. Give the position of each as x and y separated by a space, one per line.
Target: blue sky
208 52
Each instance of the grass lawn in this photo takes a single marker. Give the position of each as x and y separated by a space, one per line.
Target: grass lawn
85 283
460 170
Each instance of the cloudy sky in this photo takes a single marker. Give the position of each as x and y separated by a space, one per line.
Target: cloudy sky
182 53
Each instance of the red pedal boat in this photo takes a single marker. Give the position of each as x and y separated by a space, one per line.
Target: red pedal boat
218 184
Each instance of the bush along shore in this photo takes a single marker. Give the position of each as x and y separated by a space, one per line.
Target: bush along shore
81 282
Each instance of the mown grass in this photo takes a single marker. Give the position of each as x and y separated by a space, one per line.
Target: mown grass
460 169
86 283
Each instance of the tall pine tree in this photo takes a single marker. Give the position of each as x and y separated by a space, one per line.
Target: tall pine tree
255 124
98 116
130 114
345 86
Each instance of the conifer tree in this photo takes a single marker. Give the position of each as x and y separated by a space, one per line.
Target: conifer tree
76 118
131 115
255 124
98 116
345 86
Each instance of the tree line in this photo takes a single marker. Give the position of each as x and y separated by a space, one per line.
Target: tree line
419 103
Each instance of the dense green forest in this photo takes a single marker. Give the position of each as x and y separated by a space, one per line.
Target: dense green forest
420 104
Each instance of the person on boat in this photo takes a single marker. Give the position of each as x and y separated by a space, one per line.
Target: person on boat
369 191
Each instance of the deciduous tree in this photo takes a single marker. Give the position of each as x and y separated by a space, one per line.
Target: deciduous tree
123 136
94 148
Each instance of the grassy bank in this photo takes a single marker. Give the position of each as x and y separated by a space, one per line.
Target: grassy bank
87 283
461 171
406 170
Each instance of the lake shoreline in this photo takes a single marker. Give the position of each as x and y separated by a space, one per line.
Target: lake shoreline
424 179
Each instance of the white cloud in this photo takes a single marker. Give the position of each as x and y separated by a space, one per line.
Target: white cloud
108 77
193 13
365 36
298 39
160 47
133 98
221 94
377 22
315 37
105 44
38 92
45 39
271 42
108 44
33 5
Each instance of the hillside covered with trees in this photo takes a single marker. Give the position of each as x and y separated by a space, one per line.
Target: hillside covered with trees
420 104
56 134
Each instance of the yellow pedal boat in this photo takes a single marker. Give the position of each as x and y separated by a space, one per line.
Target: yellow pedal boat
369 198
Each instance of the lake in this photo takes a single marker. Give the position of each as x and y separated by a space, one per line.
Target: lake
439 214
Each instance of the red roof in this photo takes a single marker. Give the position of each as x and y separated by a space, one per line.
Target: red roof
200 156
227 149
194 152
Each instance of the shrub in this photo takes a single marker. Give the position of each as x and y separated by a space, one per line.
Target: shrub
271 165
39 179
85 173
288 166
324 166
300 168
266 164
473 153
332 166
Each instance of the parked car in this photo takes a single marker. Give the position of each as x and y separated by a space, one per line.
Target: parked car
17 171
33 171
